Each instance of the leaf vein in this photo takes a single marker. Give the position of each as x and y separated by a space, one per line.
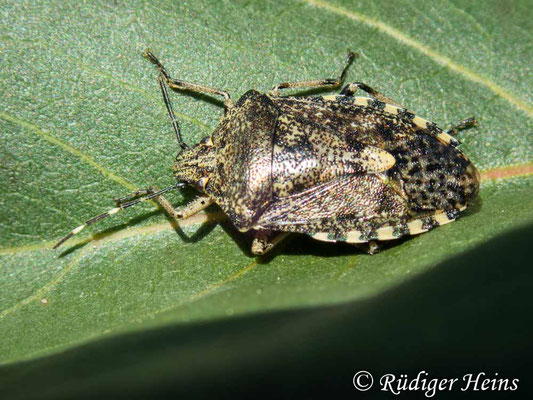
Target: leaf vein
68 148
46 288
509 172
425 50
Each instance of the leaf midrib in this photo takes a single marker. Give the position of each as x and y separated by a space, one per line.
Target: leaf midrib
403 38
492 174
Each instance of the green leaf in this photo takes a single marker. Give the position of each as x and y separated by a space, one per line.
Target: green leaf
82 122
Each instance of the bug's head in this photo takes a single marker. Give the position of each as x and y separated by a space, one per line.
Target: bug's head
196 164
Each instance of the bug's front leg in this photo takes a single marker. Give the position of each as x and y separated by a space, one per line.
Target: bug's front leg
198 204
194 207
182 85
349 90
265 241
164 79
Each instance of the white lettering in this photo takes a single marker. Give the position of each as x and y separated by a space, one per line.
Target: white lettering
387 385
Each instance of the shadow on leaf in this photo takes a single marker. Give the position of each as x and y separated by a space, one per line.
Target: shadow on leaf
470 314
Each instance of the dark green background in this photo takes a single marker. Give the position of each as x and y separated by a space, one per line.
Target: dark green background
140 309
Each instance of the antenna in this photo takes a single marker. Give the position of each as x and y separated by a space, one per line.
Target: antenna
115 210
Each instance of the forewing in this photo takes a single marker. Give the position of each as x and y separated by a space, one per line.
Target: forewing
306 154
341 204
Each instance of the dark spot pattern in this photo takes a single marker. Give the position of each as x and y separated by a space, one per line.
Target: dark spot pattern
311 165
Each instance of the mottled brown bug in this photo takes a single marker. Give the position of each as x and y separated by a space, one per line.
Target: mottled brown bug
337 168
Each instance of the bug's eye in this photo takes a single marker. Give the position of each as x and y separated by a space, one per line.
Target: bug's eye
207 141
202 183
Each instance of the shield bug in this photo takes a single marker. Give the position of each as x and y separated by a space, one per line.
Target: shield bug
337 168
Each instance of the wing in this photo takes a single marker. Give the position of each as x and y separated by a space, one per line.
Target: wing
306 154
429 169
358 202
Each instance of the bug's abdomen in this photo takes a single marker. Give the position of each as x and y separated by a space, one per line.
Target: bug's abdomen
434 176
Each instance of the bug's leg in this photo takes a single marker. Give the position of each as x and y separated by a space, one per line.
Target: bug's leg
194 207
372 247
464 124
182 85
349 90
265 241
322 83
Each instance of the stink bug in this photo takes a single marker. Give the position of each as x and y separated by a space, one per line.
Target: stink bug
337 168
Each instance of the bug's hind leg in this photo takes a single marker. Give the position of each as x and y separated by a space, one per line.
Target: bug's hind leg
320 83
351 89
265 241
464 124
